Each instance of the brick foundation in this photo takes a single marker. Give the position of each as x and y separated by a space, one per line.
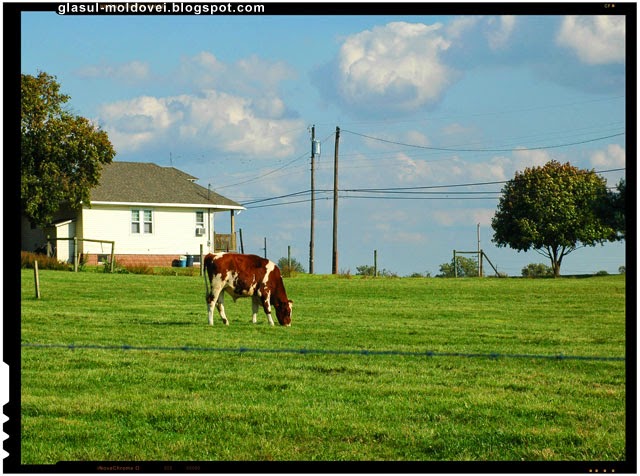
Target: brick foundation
141 260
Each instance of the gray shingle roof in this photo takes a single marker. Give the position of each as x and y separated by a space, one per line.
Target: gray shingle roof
145 182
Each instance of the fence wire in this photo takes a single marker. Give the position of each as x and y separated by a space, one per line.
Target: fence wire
303 351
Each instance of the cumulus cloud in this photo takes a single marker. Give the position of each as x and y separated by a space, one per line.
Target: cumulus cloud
596 40
463 216
212 119
498 37
252 76
129 72
228 107
613 157
396 67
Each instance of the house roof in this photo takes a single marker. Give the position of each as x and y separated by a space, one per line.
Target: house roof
145 182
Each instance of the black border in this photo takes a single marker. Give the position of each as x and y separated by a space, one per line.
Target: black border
11 304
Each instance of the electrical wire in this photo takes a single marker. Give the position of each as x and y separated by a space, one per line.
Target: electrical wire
410 193
511 149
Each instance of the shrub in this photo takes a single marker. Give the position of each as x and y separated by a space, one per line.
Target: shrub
289 271
537 270
27 259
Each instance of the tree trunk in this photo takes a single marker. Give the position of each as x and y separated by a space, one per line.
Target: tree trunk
556 260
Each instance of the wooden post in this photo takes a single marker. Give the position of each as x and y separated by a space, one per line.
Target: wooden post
75 254
375 263
479 254
241 242
455 265
334 261
313 201
113 255
201 259
232 238
36 278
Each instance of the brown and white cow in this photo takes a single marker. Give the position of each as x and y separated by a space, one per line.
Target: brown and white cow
244 276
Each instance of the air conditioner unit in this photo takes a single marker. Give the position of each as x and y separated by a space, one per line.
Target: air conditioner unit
200 231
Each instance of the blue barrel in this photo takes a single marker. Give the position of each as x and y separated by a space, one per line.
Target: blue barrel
183 262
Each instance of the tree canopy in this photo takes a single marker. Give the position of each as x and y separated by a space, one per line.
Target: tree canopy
61 154
553 209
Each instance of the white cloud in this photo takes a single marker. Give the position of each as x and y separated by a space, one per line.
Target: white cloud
463 216
252 76
614 156
396 66
595 39
128 72
230 107
212 120
498 38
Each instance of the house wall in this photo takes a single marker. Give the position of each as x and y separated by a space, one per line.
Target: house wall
173 234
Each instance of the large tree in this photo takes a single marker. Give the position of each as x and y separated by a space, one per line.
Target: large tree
61 154
553 209
614 210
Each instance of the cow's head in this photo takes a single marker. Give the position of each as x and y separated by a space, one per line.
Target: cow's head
283 312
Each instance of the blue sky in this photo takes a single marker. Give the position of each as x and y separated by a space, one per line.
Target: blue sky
230 99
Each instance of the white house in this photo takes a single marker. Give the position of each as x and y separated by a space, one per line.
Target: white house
154 215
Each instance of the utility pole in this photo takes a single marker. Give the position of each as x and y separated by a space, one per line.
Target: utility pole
313 198
334 265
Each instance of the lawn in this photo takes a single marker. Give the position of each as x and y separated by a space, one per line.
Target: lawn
127 391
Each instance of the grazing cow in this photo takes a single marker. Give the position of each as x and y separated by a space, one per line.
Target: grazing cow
244 276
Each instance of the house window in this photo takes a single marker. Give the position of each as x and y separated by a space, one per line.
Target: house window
141 221
200 229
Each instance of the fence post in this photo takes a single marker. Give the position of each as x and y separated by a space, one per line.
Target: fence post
75 254
455 265
375 263
201 259
113 254
36 278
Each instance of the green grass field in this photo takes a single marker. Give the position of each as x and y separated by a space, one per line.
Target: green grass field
154 403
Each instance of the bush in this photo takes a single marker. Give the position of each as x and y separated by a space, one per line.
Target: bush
537 270
289 271
27 259
466 268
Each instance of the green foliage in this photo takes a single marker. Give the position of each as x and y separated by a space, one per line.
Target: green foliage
288 271
154 404
61 155
537 270
613 210
552 209
467 268
368 270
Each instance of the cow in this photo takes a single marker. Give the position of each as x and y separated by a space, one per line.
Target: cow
245 276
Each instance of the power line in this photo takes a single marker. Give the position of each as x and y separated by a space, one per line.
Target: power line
511 149
414 193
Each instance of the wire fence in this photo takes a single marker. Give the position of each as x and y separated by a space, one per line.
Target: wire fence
303 351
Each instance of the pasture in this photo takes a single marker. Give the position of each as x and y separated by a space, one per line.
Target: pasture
154 401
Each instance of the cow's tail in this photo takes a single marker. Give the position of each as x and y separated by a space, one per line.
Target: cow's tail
205 274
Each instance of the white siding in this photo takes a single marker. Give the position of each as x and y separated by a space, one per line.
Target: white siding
174 230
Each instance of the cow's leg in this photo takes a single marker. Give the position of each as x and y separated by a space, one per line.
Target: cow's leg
216 294
255 305
267 306
220 306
